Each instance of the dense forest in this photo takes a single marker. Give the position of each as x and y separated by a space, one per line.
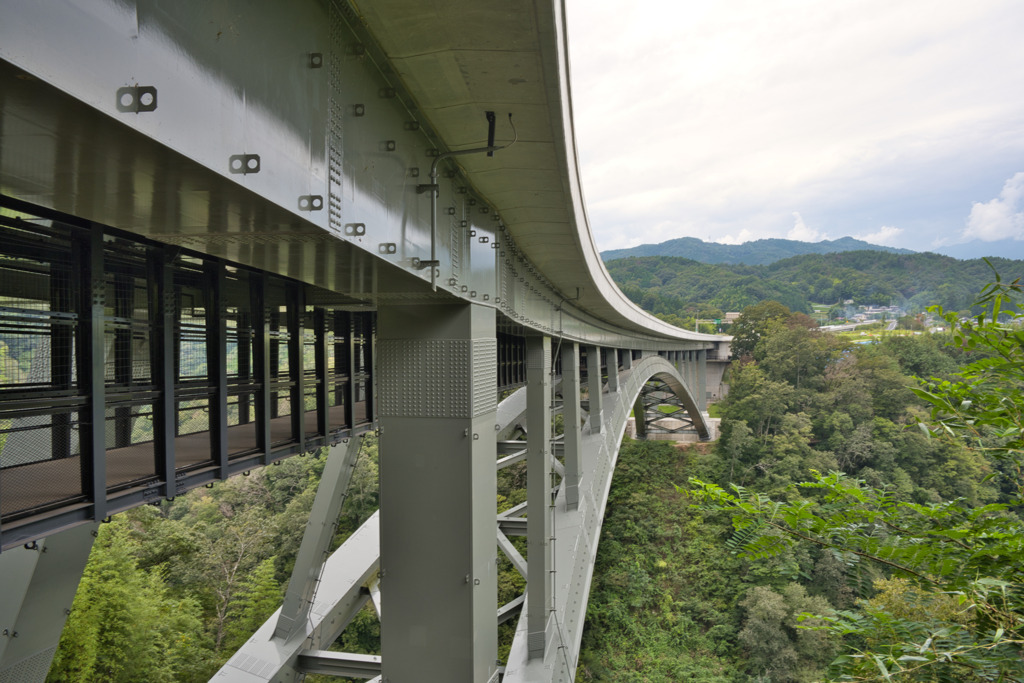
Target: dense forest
756 560
677 286
757 252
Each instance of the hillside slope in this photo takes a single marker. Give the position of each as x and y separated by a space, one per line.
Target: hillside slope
666 284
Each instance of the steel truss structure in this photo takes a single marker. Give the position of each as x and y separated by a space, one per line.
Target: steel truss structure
134 372
661 412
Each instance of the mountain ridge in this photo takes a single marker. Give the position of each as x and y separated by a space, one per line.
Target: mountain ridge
756 253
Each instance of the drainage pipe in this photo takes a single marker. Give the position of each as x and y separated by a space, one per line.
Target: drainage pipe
434 189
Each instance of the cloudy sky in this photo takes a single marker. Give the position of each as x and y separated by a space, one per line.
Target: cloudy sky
900 122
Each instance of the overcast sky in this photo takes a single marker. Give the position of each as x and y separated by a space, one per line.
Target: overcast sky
900 122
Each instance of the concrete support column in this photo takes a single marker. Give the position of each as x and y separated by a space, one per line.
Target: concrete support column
437 398
538 492
640 417
595 388
688 376
702 377
611 357
627 358
38 588
571 421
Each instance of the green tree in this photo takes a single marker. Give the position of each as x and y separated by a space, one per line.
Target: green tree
958 614
754 322
257 597
123 626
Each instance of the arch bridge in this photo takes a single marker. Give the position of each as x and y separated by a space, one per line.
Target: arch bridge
239 231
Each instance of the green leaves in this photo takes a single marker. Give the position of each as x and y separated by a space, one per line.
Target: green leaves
954 607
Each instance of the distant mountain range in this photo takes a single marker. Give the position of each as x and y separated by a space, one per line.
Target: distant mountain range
673 285
756 253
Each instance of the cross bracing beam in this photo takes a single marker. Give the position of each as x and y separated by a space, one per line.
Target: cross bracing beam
510 610
340 594
661 411
316 541
339 664
511 553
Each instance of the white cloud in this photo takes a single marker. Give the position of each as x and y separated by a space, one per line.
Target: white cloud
885 236
724 116
999 218
744 235
801 232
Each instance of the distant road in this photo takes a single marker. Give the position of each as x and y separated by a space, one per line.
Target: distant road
843 328
852 326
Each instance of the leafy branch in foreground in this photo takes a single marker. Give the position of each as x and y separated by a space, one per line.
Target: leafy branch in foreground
954 607
985 406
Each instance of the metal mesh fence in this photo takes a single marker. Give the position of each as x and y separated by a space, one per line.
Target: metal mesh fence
191 339
46 306
280 380
40 463
130 456
33 476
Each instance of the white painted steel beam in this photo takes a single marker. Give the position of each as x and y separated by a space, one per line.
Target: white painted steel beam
316 540
339 596
512 554
339 664
509 610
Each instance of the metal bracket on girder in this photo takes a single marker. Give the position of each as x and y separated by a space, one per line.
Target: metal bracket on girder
136 98
244 163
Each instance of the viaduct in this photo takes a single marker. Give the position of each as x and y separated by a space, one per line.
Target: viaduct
232 232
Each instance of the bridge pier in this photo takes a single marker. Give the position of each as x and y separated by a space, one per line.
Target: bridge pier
595 388
702 373
438 396
538 492
570 353
39 586
612 363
